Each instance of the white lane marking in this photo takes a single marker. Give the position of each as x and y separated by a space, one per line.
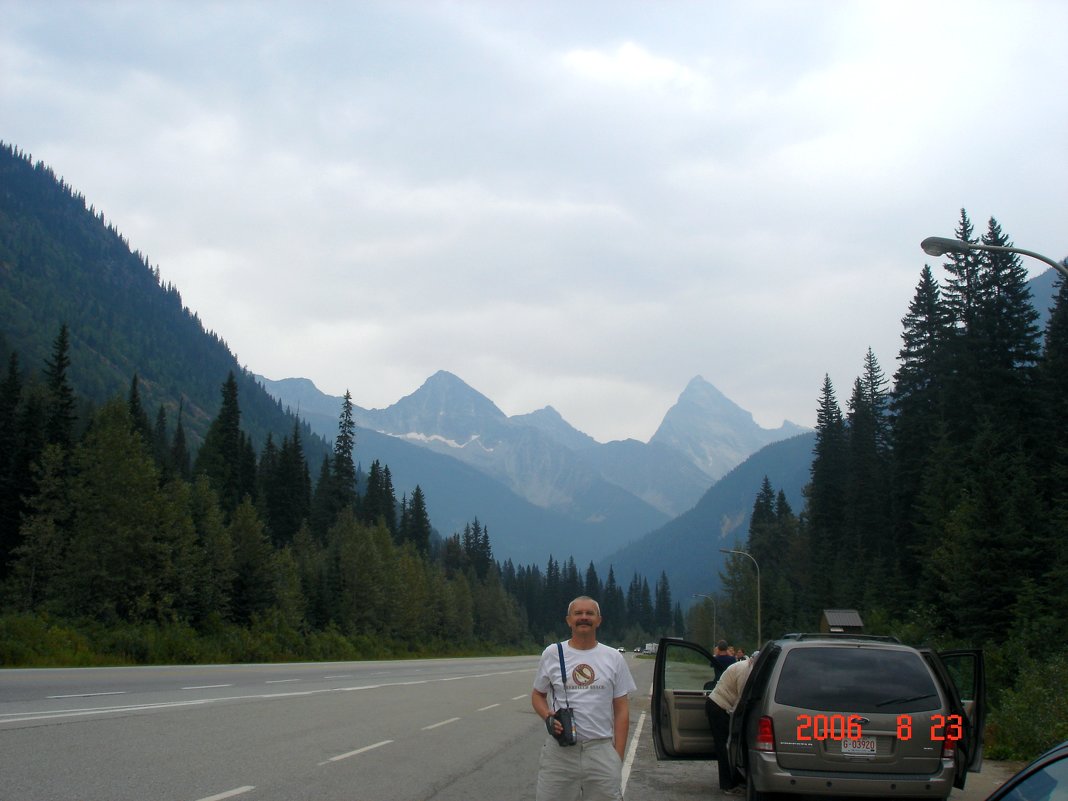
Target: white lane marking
340 676
520 697
442 723
207 686
491 706
363 750
21 717
280 681
87 695
228 793
629 761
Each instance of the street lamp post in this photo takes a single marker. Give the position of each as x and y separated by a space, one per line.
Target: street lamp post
940 246
715 639
760 640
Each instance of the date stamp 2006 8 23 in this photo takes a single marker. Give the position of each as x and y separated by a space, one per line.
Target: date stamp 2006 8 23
851 727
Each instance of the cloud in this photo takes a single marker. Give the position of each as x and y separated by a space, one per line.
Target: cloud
576 205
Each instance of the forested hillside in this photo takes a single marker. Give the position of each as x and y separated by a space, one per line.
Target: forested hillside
61 263
156 505
937 505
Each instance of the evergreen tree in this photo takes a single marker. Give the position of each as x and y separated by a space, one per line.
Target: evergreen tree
593 585
343 469
415 523
222 456
825 494
379 502
115 559
253 591
160 449
216 547
179 450
60 414
138 415
867 549
40 553
11 501
916 408
613 605
663 613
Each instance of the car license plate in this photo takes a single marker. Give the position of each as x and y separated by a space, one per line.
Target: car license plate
860 746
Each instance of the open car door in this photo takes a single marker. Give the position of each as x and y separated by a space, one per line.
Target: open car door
968 672
962 674
683 675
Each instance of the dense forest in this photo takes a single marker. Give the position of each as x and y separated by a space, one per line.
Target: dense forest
141 551
938 507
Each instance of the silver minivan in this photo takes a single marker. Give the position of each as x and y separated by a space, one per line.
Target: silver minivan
850 715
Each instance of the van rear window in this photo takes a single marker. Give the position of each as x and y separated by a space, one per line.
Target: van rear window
856 680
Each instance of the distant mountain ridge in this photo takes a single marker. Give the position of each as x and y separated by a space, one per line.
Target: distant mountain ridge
623 489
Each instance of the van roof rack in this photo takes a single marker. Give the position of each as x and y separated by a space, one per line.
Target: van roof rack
840 635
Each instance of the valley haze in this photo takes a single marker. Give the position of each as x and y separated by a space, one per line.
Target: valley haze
588 498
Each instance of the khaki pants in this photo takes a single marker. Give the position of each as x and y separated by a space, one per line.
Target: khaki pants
591 771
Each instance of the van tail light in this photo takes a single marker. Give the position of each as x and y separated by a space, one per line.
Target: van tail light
765 736
949 749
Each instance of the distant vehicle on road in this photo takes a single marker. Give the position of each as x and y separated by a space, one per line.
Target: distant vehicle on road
650 648
831 715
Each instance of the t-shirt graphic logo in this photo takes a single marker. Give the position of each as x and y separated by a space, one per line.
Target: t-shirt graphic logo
583 675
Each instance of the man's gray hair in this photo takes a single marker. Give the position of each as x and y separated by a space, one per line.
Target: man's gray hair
585 598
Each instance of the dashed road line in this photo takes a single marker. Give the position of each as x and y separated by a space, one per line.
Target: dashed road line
491 706
207 686
441 723
86 695
228 793
358 751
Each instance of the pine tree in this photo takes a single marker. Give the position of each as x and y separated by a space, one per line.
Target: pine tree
40 550
916 411
222 456
343 469
253 591
138 415
60 416
418 529
868 547
11 500
826 494
179 450
115 560
662 607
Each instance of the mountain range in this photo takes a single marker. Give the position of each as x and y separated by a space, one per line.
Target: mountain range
609 494
539 485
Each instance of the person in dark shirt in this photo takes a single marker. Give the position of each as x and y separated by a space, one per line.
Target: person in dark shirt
722 657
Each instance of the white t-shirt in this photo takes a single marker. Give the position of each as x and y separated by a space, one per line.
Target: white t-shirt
595 677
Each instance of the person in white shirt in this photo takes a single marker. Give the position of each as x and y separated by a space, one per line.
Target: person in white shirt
595 683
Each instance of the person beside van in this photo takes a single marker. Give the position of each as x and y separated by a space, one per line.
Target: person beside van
719 707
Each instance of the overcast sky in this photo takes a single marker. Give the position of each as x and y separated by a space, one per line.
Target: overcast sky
575 204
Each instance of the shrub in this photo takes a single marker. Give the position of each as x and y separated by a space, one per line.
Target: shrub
1033 716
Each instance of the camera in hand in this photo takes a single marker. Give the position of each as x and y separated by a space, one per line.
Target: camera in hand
569 736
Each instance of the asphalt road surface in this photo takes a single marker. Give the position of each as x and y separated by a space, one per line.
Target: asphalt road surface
445 729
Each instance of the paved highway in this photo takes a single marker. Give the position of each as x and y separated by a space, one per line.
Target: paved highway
445 729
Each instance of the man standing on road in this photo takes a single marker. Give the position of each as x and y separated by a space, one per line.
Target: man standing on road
594 681
719 707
